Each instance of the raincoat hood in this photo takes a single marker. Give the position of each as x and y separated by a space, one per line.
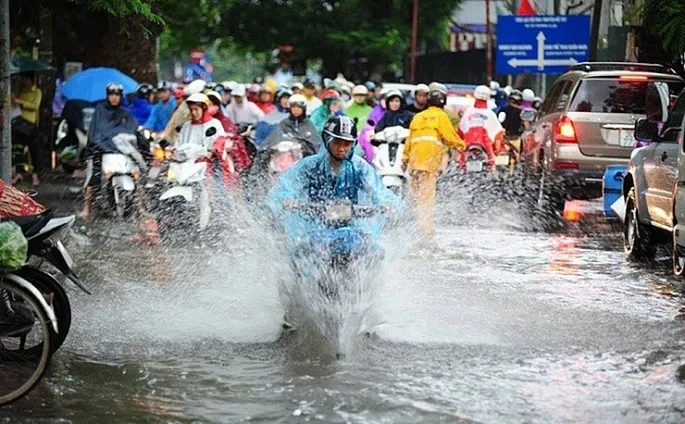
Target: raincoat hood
313 180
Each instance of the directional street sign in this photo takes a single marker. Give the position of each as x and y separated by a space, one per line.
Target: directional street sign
541 44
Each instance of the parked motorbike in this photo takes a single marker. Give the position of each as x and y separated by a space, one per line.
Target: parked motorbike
388 158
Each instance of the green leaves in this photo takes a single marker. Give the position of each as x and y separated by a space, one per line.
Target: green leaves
665 19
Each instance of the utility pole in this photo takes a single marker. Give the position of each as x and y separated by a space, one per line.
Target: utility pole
488 45
594 32
414 42
5 124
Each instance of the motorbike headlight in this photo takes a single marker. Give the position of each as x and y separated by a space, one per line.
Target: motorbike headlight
159 153
147 134
339 212
171 175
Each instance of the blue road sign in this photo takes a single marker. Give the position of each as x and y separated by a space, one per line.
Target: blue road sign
541 44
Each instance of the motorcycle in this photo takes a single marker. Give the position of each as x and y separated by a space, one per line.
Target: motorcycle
43 232
121 171
183 198
388 158
72 134
331 263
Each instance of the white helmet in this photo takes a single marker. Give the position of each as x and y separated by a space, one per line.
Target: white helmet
482 92
528 95
298 99
494 86
194 87
360 90
213 94
198 98
422 88
394 93
508 89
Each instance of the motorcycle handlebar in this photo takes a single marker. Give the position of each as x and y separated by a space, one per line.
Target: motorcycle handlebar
356 211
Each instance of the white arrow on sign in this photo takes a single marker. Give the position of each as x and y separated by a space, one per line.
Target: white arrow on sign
541 62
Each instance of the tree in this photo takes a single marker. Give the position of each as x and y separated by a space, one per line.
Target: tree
357 37
664 20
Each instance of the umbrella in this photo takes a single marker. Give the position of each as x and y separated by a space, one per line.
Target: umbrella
20 64
89 85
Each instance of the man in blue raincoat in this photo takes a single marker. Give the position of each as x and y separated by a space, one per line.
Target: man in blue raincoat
335 173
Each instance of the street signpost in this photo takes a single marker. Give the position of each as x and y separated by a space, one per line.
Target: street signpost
541 44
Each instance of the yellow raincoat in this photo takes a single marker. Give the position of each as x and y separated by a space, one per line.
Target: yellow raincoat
431 134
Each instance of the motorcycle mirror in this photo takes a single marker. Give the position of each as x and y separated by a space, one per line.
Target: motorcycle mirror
210 132
178 128
370 122
502 117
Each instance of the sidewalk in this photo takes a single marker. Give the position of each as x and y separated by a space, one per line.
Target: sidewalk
55 192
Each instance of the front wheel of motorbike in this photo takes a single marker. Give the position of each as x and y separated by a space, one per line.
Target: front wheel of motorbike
57 298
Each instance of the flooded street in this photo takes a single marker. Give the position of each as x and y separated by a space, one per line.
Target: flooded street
495 325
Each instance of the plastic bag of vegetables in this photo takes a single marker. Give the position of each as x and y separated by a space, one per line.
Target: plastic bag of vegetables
13 246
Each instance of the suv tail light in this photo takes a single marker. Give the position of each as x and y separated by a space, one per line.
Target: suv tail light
566 131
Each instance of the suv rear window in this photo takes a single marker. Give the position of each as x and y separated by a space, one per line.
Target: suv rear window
611 95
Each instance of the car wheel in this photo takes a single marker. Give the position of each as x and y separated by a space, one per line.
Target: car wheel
636 240
550 199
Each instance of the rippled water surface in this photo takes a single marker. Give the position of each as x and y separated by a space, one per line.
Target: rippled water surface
493 325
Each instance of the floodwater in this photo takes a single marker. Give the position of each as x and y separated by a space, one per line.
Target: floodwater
495 324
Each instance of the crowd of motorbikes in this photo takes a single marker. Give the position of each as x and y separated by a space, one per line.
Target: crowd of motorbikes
181 186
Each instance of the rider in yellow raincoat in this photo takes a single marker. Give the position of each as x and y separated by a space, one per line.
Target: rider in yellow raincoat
431 134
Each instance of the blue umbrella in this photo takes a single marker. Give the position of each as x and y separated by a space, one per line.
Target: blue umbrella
89 85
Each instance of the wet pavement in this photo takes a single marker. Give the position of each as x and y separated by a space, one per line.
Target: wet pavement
496 324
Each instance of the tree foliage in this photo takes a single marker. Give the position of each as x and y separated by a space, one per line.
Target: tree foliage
373 33
665 19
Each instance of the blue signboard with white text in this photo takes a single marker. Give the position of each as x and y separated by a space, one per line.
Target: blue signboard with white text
546 44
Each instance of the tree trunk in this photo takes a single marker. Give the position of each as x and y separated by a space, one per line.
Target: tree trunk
5 126
132 50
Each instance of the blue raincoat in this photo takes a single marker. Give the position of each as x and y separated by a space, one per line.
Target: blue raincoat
160 115
312 180
140 109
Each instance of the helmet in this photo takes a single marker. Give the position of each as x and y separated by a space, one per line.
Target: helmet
482 92
144 89
238 91
340 127
329 94
266 88
114 88
298 100
436 86
213 97
528 95
393 93
344 88
297 85
229 85
515 96
494 87
370 85
508 89
422 88
254 88
211 85
195 87
199 98
360 90
283 93
164 85
437 96
537 102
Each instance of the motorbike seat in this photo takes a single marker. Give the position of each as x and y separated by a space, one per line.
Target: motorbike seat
31 225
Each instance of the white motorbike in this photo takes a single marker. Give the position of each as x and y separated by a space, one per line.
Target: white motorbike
121 171
184 190
388 158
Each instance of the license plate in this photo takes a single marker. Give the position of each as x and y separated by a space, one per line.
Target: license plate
474 166
626 138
